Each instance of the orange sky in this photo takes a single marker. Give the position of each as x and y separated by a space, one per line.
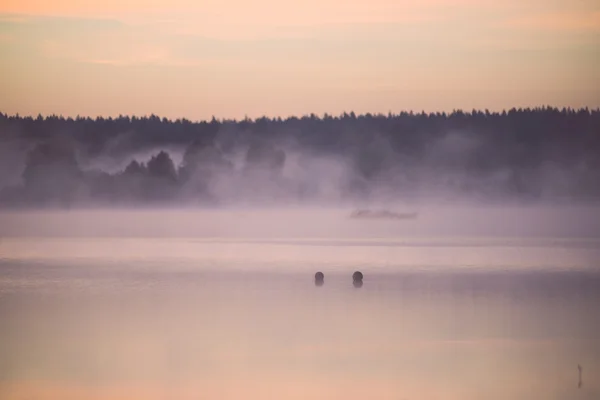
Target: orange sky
233 58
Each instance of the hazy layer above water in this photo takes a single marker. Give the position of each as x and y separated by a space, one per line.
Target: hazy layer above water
433 221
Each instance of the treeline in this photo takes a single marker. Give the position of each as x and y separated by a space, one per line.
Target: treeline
541 153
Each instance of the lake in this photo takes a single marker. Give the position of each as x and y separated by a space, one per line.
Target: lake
461 303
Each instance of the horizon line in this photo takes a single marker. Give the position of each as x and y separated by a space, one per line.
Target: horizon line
320 116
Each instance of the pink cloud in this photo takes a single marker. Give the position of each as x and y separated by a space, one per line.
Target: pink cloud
241 14
264 7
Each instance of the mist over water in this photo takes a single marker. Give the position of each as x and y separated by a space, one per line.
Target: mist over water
431 220
142 258
459 303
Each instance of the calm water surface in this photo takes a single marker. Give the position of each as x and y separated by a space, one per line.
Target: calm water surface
109 307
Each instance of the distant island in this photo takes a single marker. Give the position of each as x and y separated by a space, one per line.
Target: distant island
382 214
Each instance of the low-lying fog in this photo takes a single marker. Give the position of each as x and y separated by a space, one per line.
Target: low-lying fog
253 223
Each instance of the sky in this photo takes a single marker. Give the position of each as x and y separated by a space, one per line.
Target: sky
233 58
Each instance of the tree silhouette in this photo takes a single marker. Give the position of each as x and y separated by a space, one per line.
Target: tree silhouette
530 153
51 172
162 167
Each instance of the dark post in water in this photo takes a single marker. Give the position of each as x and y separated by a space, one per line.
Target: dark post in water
357 279
319 279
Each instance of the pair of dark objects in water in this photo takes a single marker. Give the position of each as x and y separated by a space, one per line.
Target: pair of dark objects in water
357 279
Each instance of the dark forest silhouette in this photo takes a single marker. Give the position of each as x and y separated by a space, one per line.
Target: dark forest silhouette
533 154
